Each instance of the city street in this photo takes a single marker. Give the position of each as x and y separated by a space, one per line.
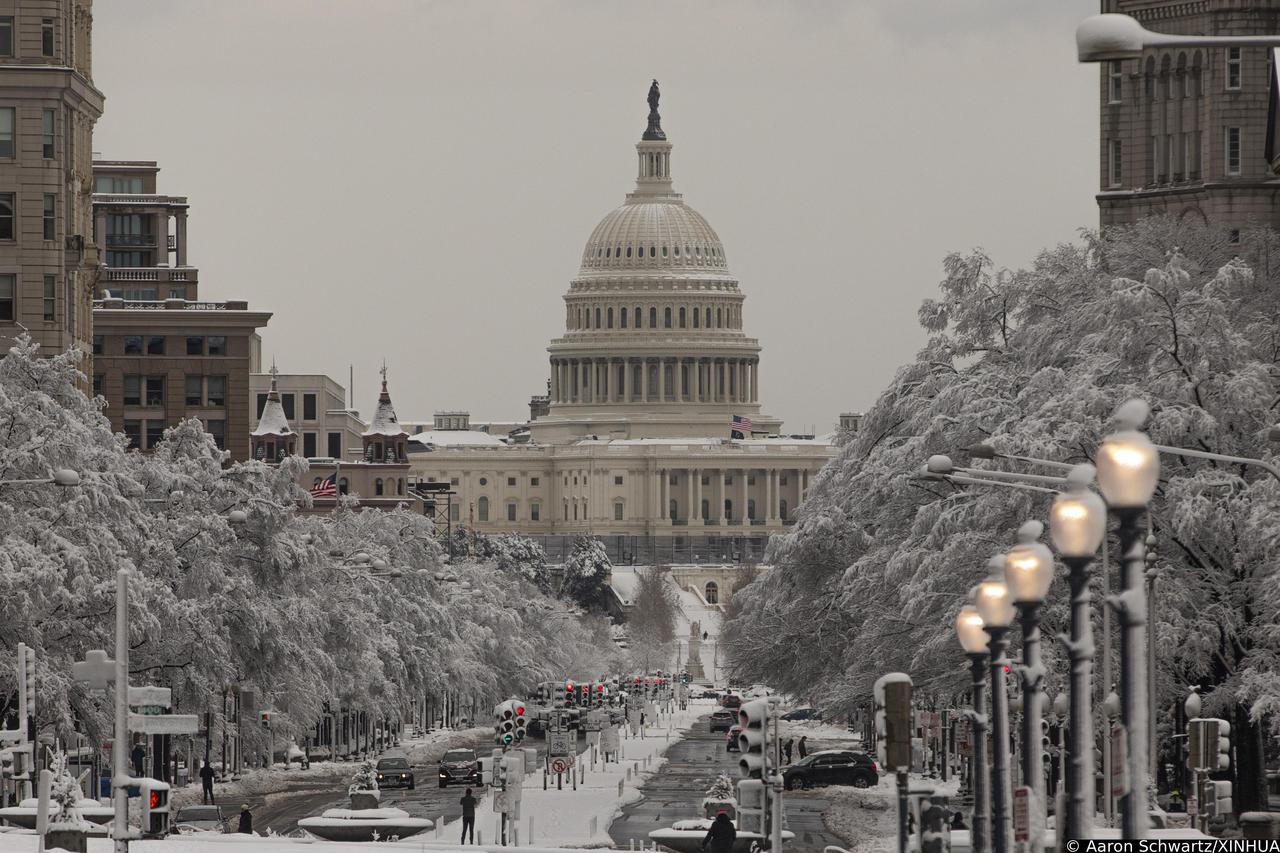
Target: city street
676 792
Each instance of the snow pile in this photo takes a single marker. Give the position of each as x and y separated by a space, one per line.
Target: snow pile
257 783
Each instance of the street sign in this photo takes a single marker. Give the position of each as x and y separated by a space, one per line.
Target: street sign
1021 814
160 697
561 764
164 724
559 743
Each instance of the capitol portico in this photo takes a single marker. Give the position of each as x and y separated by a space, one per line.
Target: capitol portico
636 444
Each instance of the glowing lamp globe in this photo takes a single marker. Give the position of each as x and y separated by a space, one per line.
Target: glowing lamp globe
1078 519
1028 567
973 639
1128 463
993 602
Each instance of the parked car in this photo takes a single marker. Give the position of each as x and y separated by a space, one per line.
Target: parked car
803 714
731 739
395 773
459 767
723 720
832 767
199 819
731 700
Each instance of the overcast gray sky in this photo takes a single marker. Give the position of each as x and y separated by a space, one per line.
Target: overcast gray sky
416 180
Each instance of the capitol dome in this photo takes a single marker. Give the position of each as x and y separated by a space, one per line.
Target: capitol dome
660 234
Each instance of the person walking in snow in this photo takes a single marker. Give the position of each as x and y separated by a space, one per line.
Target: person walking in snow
468 817
721 835
804 750
786 749
246 820
206 784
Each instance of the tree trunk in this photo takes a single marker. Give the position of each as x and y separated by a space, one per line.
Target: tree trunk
1249 788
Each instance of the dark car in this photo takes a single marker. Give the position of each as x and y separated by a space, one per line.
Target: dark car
723 720
731 739
199 819
459 767
832 767
395 773
731 700
803 714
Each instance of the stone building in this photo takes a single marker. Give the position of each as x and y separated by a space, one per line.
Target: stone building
160 353
1184 131
638 443
48 107
317 406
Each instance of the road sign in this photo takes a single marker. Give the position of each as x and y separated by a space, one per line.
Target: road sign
1021 814
559 743
159 697
164 724
561 764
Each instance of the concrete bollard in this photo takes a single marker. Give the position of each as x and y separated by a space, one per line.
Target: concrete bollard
530 836
619 789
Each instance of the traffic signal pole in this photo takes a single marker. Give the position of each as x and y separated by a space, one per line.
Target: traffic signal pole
120 747
775 829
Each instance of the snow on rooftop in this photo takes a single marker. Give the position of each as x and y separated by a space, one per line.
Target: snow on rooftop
456 438
822 440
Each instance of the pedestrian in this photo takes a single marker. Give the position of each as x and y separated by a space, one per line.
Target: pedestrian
468 817
139 760
246 820
804 750
786 749
206 784
721 835
957 821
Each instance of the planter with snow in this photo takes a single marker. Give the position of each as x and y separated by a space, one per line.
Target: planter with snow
24 814
686 836
364 824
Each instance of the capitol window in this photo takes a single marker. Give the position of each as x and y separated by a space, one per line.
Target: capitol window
682 318
608 253
653 318
628 251
664 251
666 317
617 511
511 511
484 481
677 251
624 318
708 317
696 315
653 252
719 319
609 323
482 509
535 512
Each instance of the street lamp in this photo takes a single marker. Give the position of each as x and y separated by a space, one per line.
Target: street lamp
986 451
994 605
1128 473
1028 572
973 639
1077 524
1112 37
61 477
941 464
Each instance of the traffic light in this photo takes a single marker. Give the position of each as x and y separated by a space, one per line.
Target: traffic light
598 696
570 693
754 719
504 723
1217 798
29 676
1046 743
519 719
1208 745
265 718
753 806
154 795
511 766
486 771
892 694
1223 751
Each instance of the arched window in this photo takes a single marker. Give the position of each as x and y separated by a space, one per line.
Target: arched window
711 592
608 252
575 510
1166 77
609 319
677 251
1149 79
697 315
706 509
628 251
597 318
682 318
664 251
653 317
728 510
623 318
617 253
639 317
617 510
342 485
565 514
482 509
708 321
511 510
782 509
719 319
653 252
377 486
666 318
672 506
751 509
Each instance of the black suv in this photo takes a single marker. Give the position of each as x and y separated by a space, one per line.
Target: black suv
723 720
395 773
459 767
832 767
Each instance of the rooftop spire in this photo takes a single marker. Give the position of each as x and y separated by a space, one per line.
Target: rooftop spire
654 130
385 421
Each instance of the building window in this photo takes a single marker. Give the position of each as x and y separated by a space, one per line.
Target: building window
133 390
48 218
133 432
46 37
653 318
217 390
98 345
672 508
597 318
6 36
217 429
308 407
194 390
50 301
335 445
262 404
133 344
666 318
155 345
1233 68
535 512
309 444
6 131
155 433
97 384
47 118
534 481
719 318
706 481
1233 151
1115 90
711 593
1114 167
482 509
195 346
484 481
7 287
217 345
706 509
453 481
682 315
617 479
751 509
609 319
6 215
1234 237
624 318
617 510
155 391
511 481
286 402
377 486
511 511
455 512
782 509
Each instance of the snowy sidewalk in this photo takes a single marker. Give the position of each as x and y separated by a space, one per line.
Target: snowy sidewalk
581 818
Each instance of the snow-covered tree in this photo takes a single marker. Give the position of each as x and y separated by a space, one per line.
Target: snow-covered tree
722 789
517 554
586 572
64 792
1034 362
364 779
651 624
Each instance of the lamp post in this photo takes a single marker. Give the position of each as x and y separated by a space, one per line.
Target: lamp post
1111 711
1128 472
991 598
1111 37
1077 524
1028 573
973 639
61 477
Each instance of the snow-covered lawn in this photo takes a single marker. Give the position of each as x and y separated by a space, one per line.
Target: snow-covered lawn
581 818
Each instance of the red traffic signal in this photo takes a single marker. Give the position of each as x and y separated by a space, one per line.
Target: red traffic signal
519 710
568 687
599 688
154 800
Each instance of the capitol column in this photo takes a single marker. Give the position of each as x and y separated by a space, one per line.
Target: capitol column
755 381
697 380
742 496
644 380
555 382
677 376
771 496
742 381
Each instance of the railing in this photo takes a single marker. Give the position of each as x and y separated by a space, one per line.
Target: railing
149 273
114 198
131 239
113 304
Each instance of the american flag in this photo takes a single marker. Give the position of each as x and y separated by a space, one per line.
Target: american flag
326 488
740 423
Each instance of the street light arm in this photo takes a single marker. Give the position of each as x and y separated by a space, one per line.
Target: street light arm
1220 457
1102 38
976 481
1038 479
